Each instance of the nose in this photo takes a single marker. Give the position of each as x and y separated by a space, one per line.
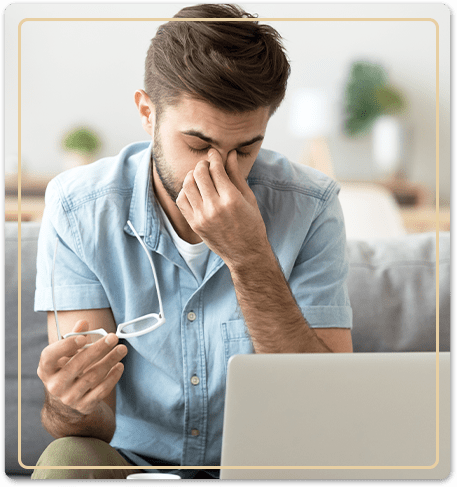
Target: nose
223 154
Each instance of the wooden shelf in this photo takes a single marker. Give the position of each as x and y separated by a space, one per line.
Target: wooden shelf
31 208
407 194
30 185
33 188
423 219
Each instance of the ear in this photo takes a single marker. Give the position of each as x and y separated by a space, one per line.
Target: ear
146 111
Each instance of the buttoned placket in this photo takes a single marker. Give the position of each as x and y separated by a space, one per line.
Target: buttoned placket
195 366
192 339
194 371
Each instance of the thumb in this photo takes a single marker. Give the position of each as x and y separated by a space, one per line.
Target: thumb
80 325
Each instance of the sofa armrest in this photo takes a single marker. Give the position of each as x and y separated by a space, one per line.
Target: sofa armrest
370 211
34 438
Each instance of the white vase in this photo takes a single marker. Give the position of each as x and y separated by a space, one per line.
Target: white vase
387 137
74 159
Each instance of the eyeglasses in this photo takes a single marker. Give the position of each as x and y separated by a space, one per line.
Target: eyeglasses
129 329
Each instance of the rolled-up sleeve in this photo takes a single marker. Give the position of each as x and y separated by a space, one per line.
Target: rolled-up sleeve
319 277
75 285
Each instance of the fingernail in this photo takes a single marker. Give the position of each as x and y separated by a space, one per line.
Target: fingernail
80 340
111 339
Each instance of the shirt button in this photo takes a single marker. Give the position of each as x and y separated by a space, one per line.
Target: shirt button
191 316
195 380
195 432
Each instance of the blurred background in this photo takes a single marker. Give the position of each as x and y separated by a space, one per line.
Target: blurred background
361 106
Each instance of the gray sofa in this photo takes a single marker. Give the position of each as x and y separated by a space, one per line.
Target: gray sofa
391 286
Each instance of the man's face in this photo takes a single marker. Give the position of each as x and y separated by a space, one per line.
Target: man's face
185 133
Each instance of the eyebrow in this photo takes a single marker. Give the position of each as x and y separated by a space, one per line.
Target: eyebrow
196 133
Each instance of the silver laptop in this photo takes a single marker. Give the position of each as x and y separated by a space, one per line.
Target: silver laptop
337 416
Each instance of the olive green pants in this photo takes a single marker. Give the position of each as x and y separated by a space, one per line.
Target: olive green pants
80 451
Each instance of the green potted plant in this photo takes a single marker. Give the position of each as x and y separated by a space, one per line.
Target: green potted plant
368 96
81 145
373 105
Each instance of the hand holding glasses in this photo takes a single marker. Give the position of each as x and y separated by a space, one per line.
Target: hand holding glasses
138 326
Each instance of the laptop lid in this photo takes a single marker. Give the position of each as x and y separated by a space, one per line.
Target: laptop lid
343 416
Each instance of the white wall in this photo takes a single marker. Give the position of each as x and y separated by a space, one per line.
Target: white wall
83 72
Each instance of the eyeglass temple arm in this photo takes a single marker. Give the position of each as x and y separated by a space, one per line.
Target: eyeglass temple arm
100 331
152 265
150 261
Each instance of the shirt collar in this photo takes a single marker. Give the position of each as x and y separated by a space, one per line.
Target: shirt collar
143 212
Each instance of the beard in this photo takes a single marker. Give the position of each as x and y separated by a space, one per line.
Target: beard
168 179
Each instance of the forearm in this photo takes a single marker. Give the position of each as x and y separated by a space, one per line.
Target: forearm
221 208
61 420
273 318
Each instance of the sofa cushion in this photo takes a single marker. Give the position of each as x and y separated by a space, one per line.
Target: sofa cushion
392 286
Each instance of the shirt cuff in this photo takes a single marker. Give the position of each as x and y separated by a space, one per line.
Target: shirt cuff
67 298
328 316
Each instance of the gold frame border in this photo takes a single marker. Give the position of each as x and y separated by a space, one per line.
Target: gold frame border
264 19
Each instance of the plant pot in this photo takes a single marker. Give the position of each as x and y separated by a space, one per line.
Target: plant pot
75 159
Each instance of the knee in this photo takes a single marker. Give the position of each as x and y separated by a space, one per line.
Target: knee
73 451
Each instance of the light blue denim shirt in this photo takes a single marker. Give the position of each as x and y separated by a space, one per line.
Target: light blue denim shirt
162 413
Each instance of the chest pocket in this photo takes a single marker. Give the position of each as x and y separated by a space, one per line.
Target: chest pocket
236 339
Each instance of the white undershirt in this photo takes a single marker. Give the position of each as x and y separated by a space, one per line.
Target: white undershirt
195 255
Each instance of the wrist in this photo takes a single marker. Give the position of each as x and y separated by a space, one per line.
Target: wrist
261 257
61 420
56 408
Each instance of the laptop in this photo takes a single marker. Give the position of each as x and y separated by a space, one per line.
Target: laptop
337 416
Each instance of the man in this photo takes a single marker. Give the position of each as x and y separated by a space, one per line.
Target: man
249 252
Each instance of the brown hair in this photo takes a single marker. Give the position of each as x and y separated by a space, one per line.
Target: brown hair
236 66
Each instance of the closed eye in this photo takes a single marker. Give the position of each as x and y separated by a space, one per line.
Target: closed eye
206 149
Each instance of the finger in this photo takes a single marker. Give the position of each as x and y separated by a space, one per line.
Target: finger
204 181
88 356
218 173
80 326
234 174
62 362
191 190
53 353
95 374
183 204
56 355
102 390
